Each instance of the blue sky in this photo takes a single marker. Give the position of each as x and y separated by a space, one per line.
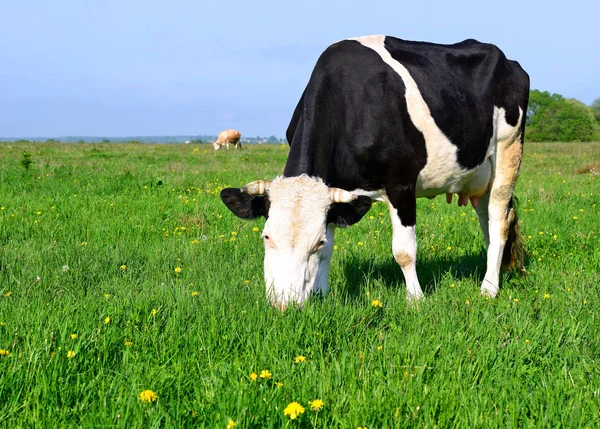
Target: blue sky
129 67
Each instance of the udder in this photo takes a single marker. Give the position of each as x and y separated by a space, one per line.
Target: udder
475 187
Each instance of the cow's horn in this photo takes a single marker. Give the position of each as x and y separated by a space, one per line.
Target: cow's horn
338 195
258 187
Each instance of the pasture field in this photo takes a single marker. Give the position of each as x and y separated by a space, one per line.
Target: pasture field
121 272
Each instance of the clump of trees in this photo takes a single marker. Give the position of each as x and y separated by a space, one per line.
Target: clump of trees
551 117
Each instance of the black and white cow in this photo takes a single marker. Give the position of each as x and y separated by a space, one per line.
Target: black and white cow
391 120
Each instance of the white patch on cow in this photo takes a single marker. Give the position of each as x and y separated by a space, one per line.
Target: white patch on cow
504 130
404 248
442 173
378 195
298 244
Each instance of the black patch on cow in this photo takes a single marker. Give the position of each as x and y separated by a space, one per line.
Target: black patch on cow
404 200
346 214
245 206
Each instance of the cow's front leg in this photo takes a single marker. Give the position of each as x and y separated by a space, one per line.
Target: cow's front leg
403 211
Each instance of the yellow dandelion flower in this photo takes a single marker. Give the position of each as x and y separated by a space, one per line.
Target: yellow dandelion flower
83 243
360 244
575 218
128 343
265 374
468 301
299 359
526 341
547 296
9 293
107 320
178 270
247 282
452 285
70 354
516 300
255 229
195 293
293 410
335 247
316 405
106 295
123 267
154 311
233 233
380 348
73 336
253 376
148 396
230 424
4 352
376 303
278 384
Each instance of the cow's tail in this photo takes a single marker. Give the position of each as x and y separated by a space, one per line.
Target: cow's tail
514 250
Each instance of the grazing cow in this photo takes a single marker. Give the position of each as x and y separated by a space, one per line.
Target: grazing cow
392 120
226 137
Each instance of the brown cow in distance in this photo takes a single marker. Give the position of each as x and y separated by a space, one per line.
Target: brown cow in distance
226 137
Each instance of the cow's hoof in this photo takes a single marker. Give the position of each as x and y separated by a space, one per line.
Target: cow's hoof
414 298
488 290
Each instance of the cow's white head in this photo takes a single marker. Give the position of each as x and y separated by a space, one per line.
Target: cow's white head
216 145
302 213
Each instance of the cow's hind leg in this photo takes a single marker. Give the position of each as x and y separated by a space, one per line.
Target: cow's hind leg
403 211
503 222
483 215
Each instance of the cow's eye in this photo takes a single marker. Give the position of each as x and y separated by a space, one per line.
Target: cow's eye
319 245
267 238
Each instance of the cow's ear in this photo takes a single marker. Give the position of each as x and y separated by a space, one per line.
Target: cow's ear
346 214
243 205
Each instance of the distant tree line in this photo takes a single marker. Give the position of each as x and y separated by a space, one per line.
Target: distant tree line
551 117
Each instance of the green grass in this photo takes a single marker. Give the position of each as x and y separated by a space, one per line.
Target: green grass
90 231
